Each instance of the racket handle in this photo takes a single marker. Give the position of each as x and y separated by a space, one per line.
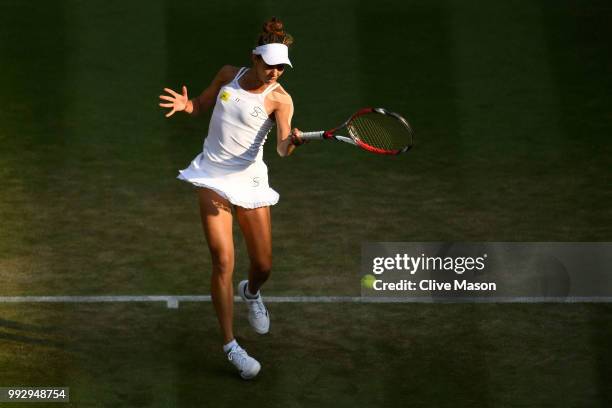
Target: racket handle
312 135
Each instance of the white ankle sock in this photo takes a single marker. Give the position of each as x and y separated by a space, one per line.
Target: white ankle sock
227 347
248 293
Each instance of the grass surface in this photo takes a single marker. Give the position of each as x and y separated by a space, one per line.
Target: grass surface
359 355
511 105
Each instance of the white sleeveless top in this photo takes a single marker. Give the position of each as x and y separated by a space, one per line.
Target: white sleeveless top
239 125
231 162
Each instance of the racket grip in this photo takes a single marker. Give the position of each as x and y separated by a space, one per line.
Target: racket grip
312 135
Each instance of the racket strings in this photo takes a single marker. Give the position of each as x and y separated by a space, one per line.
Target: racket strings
381 131
377 136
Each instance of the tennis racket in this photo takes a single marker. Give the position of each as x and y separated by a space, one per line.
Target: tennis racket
375 130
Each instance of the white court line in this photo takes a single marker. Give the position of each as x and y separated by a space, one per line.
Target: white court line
172 302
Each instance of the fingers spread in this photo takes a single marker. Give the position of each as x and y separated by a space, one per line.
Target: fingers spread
166 98
171 92
166 105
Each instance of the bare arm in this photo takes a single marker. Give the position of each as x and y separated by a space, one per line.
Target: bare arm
181 102
284 114
207 98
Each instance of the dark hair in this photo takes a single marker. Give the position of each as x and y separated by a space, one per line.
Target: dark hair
274 32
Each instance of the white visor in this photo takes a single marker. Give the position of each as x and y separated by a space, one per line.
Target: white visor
274 54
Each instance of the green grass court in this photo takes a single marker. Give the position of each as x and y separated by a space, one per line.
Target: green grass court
511 106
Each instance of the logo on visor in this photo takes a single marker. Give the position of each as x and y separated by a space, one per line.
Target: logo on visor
224 96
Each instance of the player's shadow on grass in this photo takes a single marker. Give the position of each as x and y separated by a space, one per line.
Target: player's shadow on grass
11 324
29 332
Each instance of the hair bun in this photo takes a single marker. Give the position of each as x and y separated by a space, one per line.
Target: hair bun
273 26
274 32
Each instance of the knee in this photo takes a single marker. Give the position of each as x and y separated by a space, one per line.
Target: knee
223 264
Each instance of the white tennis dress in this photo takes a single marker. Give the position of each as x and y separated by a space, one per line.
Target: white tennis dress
231 162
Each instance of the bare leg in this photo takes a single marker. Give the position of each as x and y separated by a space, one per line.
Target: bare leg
217 223
257 230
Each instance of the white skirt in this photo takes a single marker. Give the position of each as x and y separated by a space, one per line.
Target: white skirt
243 186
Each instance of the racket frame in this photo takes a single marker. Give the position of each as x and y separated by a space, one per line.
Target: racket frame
331 134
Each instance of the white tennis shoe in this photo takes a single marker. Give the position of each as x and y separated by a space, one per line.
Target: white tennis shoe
246 365
259 318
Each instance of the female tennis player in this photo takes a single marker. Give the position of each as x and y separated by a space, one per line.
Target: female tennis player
230 172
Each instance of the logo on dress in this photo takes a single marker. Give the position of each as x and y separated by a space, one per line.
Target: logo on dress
258 113
255 181
224 96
